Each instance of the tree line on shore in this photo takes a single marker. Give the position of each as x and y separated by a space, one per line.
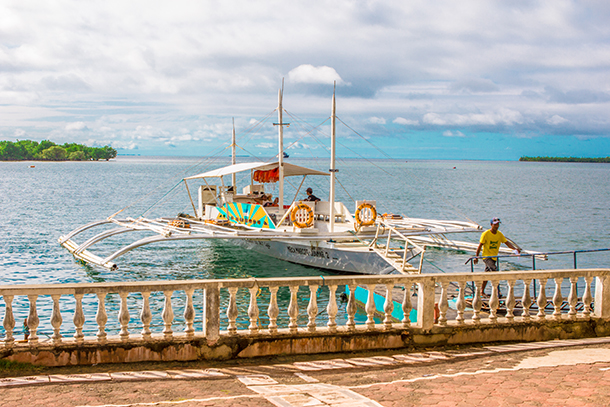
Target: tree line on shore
568 159
28 150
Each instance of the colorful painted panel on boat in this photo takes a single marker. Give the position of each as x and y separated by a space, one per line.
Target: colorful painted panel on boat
252 215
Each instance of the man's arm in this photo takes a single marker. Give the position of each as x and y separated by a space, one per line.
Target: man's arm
512 246
478 251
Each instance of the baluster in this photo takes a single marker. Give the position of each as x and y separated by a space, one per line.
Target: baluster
56 319
79 319
510 300
351 309
9 321
101 318
189 313
33 320
526 300
587 298
312 308
443 305
146 316
461 303
293 309
273 311
406 306
168 315
331 309
232 311
124 317
476 302
253 310
557 299
573 298
370 307
494 301
541 301
388 307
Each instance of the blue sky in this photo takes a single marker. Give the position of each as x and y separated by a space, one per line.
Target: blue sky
443 79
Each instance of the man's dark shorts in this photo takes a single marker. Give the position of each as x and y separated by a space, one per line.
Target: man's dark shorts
490 264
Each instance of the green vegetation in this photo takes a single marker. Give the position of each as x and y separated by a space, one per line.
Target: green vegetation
568 159
7 366
27 150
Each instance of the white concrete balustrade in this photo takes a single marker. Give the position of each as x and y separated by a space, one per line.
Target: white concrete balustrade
569 302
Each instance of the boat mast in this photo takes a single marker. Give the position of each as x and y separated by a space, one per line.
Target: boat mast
280 156
233 158
332 162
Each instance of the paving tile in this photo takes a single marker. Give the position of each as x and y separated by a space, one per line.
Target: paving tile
195 374
256 380
144 375
76 378
22 381
324 364
307 378
295 400
275 389
372 361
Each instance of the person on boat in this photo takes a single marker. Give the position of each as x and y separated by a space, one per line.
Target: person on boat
490 242
310 196
274 203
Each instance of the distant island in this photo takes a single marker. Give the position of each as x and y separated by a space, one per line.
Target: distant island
27 150
568 159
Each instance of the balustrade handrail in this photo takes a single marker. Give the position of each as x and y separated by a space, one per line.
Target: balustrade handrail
179 285
211 316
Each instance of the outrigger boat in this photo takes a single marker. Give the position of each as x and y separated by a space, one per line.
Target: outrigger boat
323 234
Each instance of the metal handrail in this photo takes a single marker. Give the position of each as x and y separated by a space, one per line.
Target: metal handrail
533 256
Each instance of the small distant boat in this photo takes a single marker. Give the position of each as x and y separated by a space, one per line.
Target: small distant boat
32 166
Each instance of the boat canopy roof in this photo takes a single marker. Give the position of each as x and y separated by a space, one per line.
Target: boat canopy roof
290 170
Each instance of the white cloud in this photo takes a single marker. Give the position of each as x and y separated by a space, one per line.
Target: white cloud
75 126
556 120
500 117
450 133
314 74
405 122
183 137
376 120
266 145
300 146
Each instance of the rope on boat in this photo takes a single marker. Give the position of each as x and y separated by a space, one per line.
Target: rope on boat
387 156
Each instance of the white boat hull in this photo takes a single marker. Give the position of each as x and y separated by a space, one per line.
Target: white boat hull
324 255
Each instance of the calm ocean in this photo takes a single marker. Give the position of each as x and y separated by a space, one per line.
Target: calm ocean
543 207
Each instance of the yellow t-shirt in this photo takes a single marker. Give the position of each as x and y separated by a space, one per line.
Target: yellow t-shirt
491 242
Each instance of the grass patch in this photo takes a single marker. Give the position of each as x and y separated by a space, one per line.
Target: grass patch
7 366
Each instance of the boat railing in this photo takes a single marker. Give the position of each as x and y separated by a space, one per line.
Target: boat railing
141 312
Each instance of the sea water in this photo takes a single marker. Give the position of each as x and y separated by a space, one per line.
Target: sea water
543 206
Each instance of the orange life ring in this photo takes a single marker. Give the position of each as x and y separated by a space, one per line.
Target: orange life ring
302 216
365 214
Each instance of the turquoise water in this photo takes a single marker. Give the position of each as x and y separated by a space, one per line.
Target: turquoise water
543 206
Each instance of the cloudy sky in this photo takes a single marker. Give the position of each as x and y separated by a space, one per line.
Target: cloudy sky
419 79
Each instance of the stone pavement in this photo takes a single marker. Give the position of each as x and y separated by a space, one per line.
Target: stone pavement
555 373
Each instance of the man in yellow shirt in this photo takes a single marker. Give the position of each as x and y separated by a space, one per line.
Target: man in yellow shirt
490 242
